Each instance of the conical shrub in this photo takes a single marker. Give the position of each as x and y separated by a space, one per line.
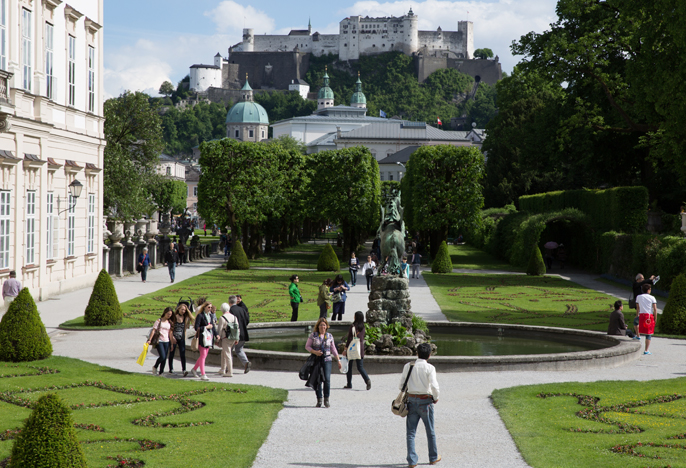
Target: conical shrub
48 438
673 318
103 306
328 261
442 263
238 260
536 265
22 333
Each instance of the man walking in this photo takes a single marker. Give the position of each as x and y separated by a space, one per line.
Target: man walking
10 289
422 389
171 257
416 261
243 320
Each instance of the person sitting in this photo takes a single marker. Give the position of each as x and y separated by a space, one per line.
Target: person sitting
617 325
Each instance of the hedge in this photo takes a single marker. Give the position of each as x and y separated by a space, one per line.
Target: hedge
103 306
22 333
536 266
618 209
328 261
442 263
238 260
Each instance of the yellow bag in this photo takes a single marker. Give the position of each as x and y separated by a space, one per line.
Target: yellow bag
141 359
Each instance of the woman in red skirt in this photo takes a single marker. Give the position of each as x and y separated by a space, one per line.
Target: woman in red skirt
646 308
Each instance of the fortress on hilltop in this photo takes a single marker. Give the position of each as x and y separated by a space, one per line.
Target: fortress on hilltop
280 62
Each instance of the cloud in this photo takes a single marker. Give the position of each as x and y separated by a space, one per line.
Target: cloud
231 17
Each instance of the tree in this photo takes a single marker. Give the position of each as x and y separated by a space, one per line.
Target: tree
673 318
237 260
134 143
446 189
536 266
103 306
166 88
328 261
483 53
22 333
442 263
170 195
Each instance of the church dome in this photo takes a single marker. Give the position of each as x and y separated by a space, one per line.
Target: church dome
247 112
325 92
358 95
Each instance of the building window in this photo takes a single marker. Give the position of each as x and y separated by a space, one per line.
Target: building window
30 227
91 224
263 134
52 223
71 227
236 133
382 176
91 79
168 170
71 71
252 134
3 34
26 28
195 191
390 176
4 229
49 60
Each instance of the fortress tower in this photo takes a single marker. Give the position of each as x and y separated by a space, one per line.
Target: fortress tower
248 40
411 36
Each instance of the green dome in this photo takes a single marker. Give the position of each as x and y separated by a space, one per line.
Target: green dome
358 95
247 112
325 92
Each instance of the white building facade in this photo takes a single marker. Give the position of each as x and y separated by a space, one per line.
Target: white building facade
51 134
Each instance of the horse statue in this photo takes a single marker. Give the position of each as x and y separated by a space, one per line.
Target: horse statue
391 233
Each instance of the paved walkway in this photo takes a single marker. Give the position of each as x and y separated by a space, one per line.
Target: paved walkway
359 429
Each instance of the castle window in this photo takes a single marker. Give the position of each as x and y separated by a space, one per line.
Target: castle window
252 134
373 45
236 133
345 45
383 45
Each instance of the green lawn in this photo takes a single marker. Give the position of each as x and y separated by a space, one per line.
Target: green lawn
601 424
299 256
162 422
471 258
265 292
520 299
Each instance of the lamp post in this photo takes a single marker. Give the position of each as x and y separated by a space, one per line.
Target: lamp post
400 174
75 189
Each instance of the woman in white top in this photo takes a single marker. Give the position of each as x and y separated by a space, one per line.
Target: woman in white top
226 323
163 327
368 271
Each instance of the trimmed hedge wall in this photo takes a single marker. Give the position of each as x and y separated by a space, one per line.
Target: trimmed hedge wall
620 209
22 333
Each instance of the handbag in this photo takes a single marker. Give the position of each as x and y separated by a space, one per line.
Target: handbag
344 365
156 335
336 297
141 359
354 351
399 405
207 338
194 343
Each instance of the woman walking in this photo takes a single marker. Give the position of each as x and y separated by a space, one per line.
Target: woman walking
339 286
324 298
143 264
296 298
357 331
229 332
205 331
321 344
182 320
162 328
353 265
368 271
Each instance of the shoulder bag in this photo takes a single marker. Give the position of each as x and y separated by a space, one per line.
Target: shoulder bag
354 351
156 335
336 297
399 405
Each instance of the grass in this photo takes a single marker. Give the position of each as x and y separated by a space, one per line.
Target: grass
265 292
520 299
162 422
470 258
299 256
602 424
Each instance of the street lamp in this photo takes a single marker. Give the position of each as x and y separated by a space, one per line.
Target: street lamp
400 174
75 189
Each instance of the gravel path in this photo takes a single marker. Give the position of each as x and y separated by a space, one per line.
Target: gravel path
358 430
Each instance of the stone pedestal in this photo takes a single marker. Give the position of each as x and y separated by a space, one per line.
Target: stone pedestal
106 258
116 259
389 301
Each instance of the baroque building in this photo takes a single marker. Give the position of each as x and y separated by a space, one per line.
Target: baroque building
247 120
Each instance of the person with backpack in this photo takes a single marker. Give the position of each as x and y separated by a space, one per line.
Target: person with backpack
229 333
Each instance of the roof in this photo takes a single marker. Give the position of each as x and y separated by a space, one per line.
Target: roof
166 157
192 174
325 92
246 86
401 156
358 95
299 32
200 65
402 130
325 140
247 112
300 82
315 118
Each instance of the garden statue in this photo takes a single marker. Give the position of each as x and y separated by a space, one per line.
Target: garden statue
391 233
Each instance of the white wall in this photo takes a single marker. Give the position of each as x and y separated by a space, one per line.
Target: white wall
204 78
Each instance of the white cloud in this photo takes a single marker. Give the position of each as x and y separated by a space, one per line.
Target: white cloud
231 17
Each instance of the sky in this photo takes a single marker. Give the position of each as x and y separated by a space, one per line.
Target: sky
148 42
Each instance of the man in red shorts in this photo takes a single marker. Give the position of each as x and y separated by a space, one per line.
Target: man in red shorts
646 309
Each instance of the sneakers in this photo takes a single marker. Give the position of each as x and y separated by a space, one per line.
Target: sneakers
172 372
195 373
185 373
369 384
154 370
247 368
204 377
435 461
647 352
636 338
348 386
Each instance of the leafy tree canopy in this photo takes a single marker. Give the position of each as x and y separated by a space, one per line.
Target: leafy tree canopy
170 195
166 88
484 53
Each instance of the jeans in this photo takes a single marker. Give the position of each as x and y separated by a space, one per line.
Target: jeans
338 308
353 276
172 271
144 272
294 308
238 348
415 270
163 350
360 369
424 410
327 381
181 345
323 311
369 281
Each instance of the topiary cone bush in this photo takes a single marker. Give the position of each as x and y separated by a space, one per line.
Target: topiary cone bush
48 438
442 263
673 319
103 306
536 265
328 260
22 333
238 260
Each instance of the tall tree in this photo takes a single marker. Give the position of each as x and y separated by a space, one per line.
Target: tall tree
134 143
170 196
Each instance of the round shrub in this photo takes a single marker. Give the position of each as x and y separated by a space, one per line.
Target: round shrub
442 263
103 306
48 438
22 333
238 260
673 319
328 261
536 265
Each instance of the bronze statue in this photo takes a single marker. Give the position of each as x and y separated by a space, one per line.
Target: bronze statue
391 233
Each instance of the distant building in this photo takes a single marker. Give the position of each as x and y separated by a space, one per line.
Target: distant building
206 76
300 86
247 120
171 167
